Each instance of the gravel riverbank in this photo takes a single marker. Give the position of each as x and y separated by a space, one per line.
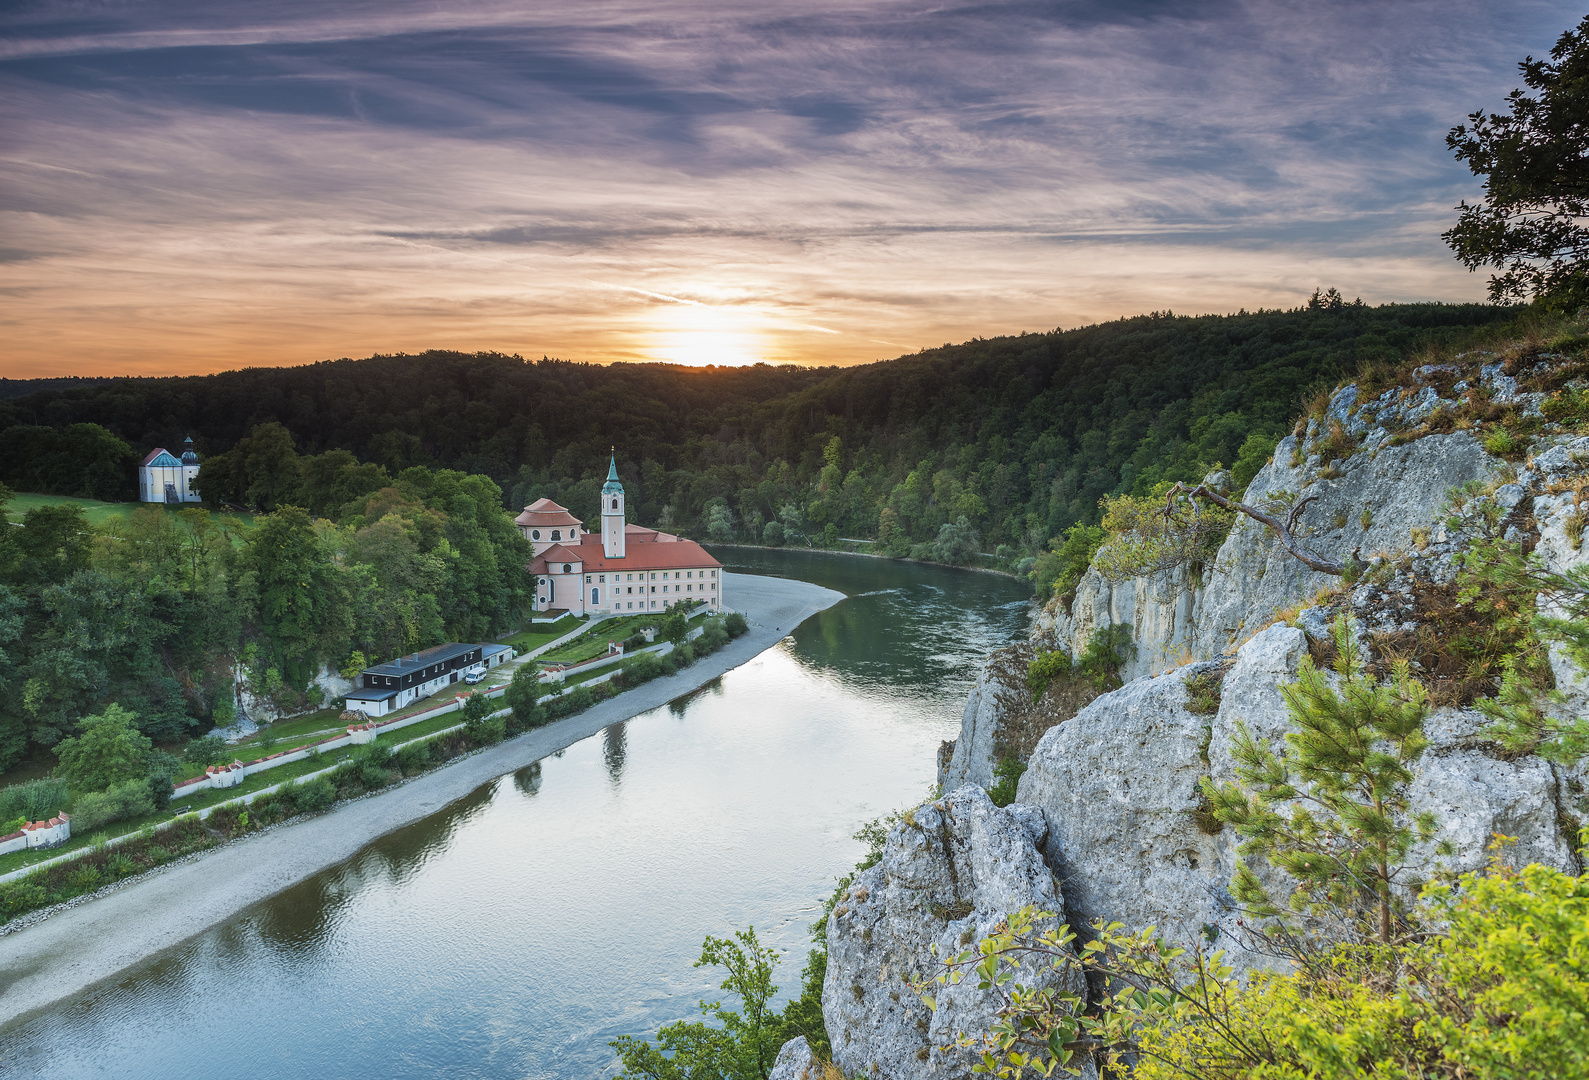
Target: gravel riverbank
60 956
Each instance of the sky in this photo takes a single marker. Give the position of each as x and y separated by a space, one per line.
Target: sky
201 185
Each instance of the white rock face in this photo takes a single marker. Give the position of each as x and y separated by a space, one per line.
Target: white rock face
947 877
1117 784
1174 620
973 758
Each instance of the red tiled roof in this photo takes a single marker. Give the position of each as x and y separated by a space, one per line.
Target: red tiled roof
659 551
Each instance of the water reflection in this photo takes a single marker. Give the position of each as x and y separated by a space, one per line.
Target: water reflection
528 780
518 930
613 743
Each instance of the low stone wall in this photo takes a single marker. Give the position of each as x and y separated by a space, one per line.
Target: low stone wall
358 734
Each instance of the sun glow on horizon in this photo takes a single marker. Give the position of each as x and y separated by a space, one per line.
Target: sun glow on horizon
701 335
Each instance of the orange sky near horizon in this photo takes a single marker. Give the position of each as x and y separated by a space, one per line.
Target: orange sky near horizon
208 187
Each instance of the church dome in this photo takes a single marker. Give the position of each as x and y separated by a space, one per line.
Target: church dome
188 456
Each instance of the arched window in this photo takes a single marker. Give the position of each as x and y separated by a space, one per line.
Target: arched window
595 596
557 534
615 503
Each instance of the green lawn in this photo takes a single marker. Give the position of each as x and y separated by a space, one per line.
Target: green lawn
100 512
590 645
536 636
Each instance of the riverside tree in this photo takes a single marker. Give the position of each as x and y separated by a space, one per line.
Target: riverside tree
523 694
745 1041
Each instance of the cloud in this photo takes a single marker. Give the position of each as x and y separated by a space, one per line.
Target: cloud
208 185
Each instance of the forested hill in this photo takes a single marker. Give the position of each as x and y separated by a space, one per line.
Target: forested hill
1019 436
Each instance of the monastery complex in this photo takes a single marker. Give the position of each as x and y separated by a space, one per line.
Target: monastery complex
626 568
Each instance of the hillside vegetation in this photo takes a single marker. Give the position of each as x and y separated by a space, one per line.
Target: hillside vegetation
992 445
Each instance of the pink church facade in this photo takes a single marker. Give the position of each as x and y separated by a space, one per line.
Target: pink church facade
623 569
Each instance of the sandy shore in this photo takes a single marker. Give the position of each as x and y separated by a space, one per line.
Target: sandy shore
63 955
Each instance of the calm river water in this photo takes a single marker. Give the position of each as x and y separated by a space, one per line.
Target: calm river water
517 931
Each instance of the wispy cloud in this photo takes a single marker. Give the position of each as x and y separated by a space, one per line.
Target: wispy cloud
196 186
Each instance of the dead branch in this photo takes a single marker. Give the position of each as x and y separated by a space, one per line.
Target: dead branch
1281 529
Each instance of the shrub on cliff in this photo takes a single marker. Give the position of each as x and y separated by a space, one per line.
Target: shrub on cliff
1502 993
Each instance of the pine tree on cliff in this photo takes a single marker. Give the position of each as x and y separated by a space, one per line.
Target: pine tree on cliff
1331 808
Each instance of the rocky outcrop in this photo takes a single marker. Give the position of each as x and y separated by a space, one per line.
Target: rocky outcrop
1003 720
1111 793
1117 785
950 872
1369 503
974 753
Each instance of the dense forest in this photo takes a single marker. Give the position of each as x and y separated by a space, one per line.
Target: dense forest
994 445
165 613
387 486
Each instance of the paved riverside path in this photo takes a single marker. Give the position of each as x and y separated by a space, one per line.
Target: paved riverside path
63 955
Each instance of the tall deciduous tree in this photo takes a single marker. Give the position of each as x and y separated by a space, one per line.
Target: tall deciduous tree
302 607
110 750
1534 158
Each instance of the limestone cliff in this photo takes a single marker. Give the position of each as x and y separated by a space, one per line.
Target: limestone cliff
949 873
1110 797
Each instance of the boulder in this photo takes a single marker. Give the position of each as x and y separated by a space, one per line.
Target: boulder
796 1061
950 873
1117 786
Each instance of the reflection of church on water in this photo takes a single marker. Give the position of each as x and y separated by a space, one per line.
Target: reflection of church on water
614 745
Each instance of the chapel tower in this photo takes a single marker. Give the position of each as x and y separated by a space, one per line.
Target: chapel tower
612 530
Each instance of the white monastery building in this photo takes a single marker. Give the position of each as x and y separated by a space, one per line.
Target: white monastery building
626 568
164 479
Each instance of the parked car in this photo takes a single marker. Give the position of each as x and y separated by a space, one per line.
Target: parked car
473 677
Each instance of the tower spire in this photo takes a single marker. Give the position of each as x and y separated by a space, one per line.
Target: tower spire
612 512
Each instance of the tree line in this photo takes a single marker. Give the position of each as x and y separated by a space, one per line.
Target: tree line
997 445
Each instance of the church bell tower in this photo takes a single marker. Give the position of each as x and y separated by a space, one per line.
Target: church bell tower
612 514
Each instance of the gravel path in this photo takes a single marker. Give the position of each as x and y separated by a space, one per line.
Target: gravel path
62 955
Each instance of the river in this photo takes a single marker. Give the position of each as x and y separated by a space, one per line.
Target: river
518 930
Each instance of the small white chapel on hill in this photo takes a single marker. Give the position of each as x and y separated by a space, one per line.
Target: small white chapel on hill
627 568
162 478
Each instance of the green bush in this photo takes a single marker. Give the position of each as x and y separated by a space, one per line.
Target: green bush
713 637
35 800
734 622
313 795
210 750
683 655
413 758
17 897
644 668
373 776
1008 771
1045 668
523 691
129 799
1058 570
